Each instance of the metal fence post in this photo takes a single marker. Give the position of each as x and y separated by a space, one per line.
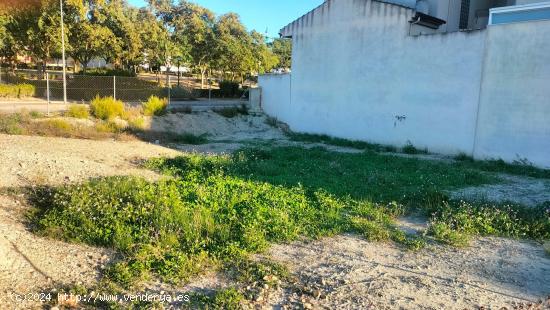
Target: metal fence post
114 87
169 91
48 92
209 88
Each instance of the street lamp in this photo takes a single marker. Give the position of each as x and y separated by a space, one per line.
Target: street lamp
63 54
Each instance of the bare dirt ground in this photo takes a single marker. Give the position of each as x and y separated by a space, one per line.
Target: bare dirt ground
216 126
347 272
344 272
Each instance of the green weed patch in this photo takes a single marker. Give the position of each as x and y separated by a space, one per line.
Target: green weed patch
214 211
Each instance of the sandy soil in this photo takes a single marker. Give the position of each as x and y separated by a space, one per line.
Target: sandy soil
217 127
26 160
344 272
347 272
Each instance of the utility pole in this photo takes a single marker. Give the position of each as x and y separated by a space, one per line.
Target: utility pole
63 54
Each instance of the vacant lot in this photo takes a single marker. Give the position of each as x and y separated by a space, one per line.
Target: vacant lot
270 221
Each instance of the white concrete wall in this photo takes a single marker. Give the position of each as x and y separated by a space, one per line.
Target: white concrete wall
529 1
276 96
355 70
514 116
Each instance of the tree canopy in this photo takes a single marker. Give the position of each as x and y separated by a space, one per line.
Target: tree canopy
164 33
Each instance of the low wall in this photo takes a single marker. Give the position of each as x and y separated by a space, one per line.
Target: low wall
276 96
514 111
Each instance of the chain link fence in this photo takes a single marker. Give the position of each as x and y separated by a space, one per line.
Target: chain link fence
83 88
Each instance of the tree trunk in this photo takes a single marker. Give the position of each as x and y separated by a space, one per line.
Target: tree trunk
40 69
203 72
167 76
179 73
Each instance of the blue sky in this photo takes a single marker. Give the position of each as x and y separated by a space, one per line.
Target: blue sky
258 14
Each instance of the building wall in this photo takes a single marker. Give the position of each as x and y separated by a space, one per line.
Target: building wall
357 74
518 2
275 97
514 115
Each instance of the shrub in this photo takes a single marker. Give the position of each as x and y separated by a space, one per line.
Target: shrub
133 112
155 106
182 93
229 89
409 148
107 108
233 111
78 111
17 91
26 90
107 127
108 72
464 157
137 123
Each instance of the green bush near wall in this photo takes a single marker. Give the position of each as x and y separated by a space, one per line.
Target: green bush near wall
17 91
229 89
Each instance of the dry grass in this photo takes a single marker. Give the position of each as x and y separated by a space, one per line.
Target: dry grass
25 124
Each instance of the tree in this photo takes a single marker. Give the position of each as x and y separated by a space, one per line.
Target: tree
123 22
154 37
36 30
263 56
88 41
8 49
283 49
194 28
88 35
234 50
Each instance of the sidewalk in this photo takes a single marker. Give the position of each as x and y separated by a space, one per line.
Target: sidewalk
32 104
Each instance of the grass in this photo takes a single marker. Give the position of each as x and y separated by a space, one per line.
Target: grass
215 211
466 161
314 138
